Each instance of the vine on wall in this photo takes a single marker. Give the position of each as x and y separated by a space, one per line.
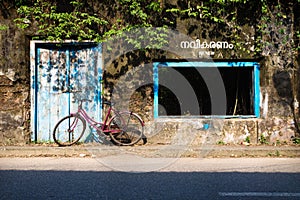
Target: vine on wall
256 27
85 20
270 20
231 19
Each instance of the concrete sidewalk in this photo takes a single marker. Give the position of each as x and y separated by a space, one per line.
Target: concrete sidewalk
98 150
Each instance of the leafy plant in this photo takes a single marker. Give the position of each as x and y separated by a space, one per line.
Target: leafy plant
247 139
297 33
3 27
263 139
221 142
277 142
54 25
226 15
80 21
296 140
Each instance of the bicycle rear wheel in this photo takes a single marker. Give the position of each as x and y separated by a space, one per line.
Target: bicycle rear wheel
69 130
126 129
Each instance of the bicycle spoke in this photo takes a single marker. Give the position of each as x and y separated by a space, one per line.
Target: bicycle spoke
69 130
130 126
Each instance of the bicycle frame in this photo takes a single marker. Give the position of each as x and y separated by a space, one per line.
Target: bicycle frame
103 125
99 126
118 125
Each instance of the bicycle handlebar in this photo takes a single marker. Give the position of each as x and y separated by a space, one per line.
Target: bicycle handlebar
104 102
107 103
71 91
82 100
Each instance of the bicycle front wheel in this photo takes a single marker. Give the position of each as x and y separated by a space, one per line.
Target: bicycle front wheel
126 129
69 130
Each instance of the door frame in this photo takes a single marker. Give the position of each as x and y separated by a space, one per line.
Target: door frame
34 44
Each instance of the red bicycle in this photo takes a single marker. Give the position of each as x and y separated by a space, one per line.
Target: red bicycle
123 128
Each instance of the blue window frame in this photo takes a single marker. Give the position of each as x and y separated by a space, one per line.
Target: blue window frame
253 75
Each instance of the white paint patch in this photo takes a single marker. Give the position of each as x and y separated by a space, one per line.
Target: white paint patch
258 194
10 74
229 138
265 106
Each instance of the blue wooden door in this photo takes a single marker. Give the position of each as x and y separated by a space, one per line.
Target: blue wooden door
61 75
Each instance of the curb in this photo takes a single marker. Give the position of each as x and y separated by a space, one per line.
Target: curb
257 151
42 151
214 151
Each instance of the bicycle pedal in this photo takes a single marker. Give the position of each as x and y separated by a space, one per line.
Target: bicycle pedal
98 140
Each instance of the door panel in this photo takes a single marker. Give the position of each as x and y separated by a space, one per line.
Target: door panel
63 75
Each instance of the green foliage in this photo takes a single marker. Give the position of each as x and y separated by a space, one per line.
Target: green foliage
79 22
155 6
221 142
54 25
3 27
296 140
219 13
82 22
247 139
226 14
297 33
277 142
263 139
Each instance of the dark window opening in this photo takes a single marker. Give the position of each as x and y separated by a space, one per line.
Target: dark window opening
238 83
168 102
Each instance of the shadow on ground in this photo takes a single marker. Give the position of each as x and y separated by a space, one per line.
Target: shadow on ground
152 185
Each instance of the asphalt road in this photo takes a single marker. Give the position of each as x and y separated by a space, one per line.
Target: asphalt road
90 178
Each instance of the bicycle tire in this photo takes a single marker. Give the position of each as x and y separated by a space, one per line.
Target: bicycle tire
61 133
126 129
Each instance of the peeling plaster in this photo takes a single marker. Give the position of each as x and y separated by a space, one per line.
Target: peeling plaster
265 105
11 74
229 138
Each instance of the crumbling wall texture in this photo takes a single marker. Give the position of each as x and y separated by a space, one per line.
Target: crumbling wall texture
14 82
279 74
279 71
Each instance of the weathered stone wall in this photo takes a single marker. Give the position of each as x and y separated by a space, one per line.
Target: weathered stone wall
14 83
279 78
197 131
